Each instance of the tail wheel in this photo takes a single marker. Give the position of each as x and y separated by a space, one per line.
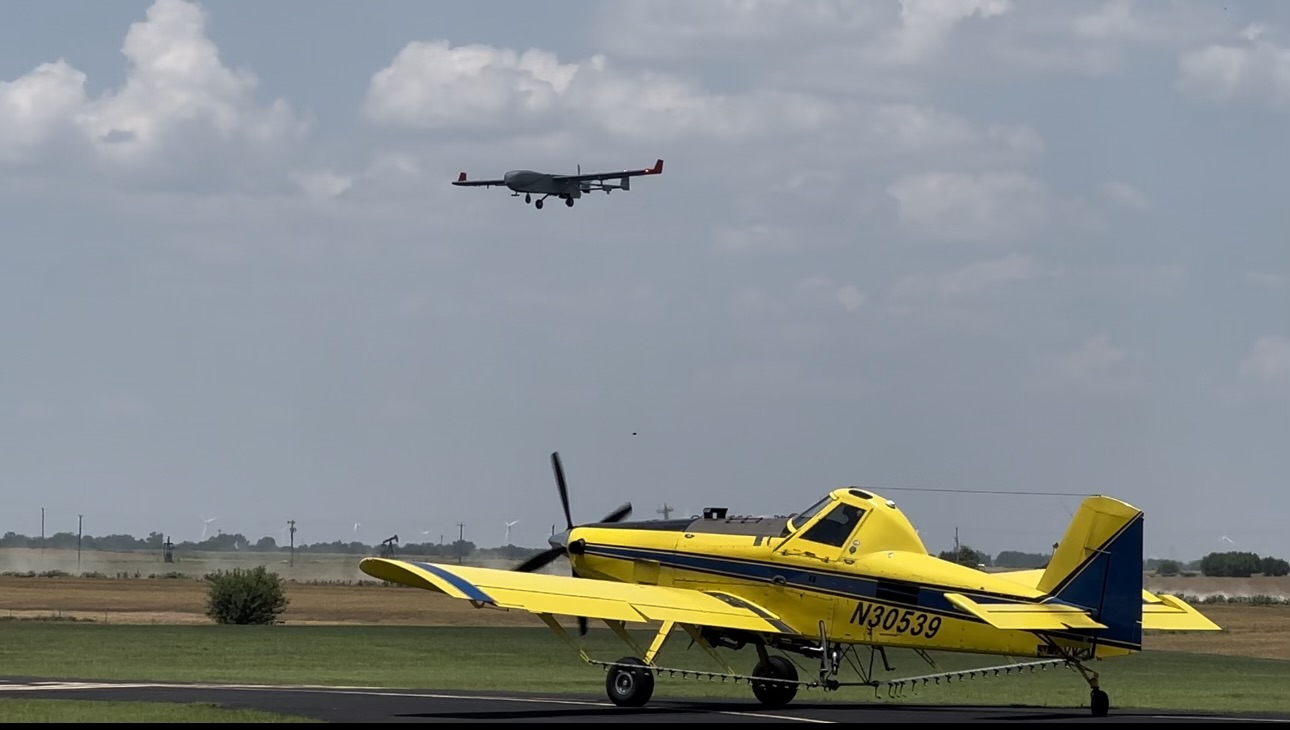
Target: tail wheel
629 686
1099 703
775 694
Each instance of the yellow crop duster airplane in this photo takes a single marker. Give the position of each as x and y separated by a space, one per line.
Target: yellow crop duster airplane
848 571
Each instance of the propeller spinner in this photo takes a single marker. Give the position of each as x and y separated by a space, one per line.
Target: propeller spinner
559 543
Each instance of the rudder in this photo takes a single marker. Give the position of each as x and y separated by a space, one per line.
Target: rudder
1097 566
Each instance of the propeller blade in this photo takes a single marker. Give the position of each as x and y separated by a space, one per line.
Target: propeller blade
619 514
564 489
539 560
582 625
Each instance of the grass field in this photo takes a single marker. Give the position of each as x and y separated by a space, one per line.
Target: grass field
531 659
1254 631
95 711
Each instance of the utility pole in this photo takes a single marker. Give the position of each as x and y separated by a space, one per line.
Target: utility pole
42 533
292 535
956 545
461 537
80 521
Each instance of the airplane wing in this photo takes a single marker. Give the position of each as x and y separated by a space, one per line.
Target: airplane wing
657 169
461 180
1026 616
569 596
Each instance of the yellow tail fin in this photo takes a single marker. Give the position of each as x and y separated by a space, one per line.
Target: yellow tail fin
1097 566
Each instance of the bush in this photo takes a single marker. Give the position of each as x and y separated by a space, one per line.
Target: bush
239 596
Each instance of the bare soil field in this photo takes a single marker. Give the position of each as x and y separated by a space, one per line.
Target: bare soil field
183 601
1250 631
141 564
1257 585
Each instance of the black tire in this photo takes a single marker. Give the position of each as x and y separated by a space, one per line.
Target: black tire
628 686
775 694
1099 703
568 202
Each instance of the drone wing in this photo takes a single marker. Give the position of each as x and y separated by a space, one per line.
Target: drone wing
461 180
657 169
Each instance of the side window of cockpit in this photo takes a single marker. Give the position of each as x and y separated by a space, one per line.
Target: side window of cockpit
836 526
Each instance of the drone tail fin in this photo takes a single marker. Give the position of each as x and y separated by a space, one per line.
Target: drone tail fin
1097 566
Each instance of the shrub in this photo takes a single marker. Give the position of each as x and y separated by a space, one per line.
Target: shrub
253 596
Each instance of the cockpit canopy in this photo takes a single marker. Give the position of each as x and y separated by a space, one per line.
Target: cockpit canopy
834 519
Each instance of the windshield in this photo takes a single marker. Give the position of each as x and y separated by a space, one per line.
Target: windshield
797 520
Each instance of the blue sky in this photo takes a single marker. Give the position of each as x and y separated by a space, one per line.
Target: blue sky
988 246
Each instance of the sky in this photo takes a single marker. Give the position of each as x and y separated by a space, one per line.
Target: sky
988 245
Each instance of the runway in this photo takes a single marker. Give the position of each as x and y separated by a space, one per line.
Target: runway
364 704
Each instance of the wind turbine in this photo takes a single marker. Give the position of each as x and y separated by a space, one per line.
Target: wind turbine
509 525
205 524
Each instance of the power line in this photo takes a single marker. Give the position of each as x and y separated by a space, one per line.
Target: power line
976 491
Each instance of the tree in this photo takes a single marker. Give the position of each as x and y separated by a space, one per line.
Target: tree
1274 567
1230 564
239 596
966 556
1168 567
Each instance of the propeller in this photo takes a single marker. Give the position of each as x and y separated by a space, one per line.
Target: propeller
559 543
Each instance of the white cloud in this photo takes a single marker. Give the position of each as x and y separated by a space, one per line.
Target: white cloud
682 28
991 206
34 105
975 277
1268 360
177 91
434 85
1257 71
1125 194
924 25
1097 365
1131 22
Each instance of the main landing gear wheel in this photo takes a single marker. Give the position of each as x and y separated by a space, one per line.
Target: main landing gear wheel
538 204
528 198
568 202
774 694
629 686
1099 702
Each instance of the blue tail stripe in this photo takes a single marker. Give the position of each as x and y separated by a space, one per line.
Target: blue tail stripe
1109 585
470 589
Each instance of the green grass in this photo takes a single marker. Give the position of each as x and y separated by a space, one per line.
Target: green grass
47 710
532 659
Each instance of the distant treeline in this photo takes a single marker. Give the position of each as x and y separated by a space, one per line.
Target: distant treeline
1229 564
1225 565
235 542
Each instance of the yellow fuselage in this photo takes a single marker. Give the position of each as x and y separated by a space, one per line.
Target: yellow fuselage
893 595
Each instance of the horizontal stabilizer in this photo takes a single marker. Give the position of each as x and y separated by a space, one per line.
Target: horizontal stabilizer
1026 616
1170 613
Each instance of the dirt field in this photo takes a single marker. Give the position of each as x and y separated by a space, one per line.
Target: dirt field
183 601
1255 631
1206 587
1252 631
